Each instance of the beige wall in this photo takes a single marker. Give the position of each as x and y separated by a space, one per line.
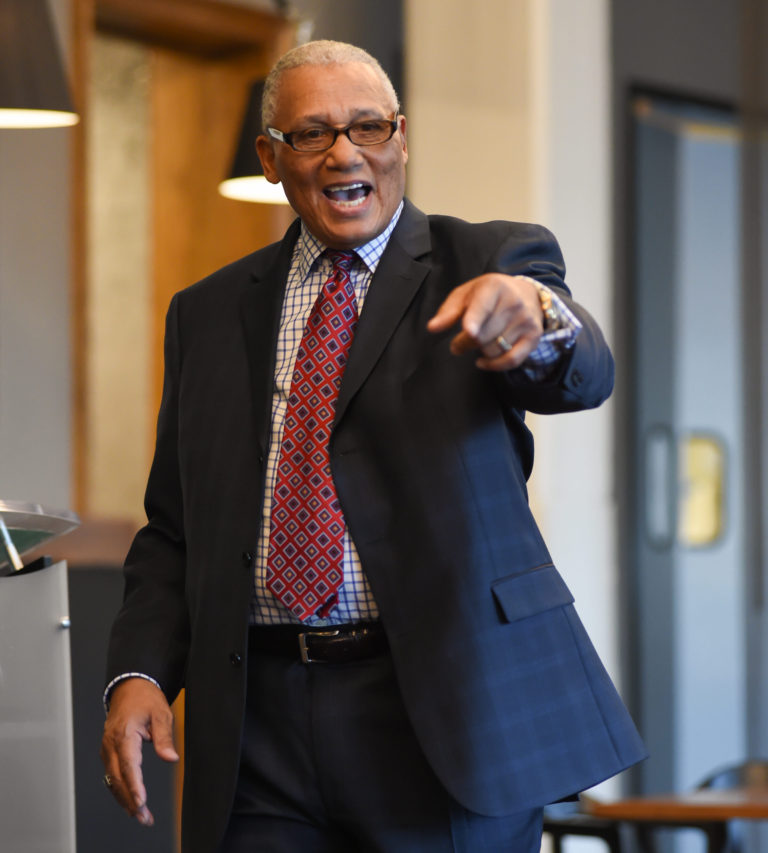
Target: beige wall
470 86
574 483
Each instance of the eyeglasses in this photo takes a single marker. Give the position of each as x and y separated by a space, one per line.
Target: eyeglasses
372 131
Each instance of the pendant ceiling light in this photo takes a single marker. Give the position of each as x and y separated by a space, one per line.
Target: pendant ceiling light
33 86
246 181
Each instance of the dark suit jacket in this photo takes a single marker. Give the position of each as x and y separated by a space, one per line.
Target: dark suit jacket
430 457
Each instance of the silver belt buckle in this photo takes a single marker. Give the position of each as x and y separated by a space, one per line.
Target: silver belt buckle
304 651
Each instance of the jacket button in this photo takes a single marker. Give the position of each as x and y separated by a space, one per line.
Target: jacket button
247 557
235 659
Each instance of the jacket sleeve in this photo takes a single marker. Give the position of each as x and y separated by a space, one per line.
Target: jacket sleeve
151 632
584 377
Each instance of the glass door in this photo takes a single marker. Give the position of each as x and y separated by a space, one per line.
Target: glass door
690 587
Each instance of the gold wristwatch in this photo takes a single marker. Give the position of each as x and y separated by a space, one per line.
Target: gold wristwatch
551 319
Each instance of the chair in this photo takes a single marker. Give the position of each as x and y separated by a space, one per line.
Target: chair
748 774
726 836
568 818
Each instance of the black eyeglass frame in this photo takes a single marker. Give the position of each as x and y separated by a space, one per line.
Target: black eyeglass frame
287 138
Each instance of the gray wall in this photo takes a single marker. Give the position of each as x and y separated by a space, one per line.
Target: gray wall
374 25
691 45
35 369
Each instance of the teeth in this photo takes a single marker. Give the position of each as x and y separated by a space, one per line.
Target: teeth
348 195
342 187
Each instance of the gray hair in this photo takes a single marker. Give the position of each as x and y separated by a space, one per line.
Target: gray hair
322 52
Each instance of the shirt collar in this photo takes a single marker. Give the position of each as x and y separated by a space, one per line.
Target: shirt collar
309 248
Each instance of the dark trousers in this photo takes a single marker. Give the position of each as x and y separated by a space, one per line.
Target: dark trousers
330 764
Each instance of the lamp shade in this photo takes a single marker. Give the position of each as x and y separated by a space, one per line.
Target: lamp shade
246 180
33 86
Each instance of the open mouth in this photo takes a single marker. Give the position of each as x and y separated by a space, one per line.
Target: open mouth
349 195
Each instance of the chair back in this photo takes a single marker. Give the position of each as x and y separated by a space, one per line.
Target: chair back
749 774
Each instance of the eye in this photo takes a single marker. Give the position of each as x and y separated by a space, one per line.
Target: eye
373 127
312 134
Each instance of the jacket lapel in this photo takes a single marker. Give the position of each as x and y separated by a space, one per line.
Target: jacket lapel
395 282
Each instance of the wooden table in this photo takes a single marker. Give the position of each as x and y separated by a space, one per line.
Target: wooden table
707 809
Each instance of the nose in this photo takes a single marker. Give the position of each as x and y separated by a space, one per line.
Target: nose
343 154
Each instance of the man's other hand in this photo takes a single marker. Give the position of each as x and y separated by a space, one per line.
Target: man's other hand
138 711
500 316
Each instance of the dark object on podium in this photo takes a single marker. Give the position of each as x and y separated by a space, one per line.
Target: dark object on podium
26 526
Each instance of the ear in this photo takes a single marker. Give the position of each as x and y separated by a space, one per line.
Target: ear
401 127
266 152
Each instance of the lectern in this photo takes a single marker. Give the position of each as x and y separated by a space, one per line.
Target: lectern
37 793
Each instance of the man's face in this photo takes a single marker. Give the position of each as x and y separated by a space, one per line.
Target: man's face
348 194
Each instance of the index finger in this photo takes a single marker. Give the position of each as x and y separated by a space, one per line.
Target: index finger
451 309
482 306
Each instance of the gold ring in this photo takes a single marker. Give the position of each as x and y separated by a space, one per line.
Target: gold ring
505 345
107 780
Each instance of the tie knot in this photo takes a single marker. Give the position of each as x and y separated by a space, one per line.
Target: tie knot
340 260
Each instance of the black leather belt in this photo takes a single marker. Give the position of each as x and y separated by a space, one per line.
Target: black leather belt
334 644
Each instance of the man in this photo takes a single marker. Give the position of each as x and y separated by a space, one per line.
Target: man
377 652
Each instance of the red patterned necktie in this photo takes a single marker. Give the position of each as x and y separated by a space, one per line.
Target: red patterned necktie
304 566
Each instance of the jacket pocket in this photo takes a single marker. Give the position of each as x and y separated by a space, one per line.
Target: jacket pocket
535 591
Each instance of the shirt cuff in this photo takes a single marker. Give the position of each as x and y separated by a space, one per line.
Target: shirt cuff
115 681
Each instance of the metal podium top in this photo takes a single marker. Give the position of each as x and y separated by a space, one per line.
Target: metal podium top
30 525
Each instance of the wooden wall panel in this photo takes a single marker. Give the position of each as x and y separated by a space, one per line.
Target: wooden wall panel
196 113
82 29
